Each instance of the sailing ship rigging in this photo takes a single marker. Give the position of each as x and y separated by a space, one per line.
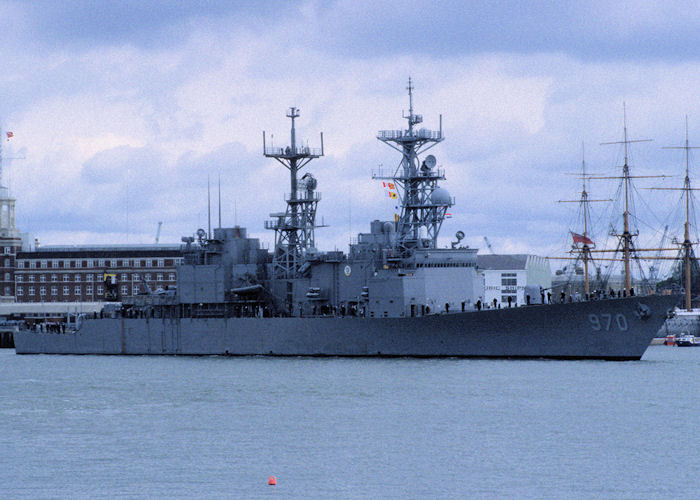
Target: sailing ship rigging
626 251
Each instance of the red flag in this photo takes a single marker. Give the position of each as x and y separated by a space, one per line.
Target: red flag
10 134
579 238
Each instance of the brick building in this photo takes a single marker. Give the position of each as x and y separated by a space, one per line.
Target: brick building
79 273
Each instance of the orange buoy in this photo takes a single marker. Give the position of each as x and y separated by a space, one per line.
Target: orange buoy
272 481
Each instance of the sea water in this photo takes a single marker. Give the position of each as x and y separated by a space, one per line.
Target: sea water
216 427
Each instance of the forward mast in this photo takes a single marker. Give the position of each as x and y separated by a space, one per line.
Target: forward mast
423 204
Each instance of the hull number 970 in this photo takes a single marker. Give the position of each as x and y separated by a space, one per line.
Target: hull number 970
607 322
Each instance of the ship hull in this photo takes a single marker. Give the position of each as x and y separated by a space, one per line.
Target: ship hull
619 329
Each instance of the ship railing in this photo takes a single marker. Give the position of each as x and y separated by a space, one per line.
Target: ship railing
284 225
290 151
433 174
384 173
303 196
398 135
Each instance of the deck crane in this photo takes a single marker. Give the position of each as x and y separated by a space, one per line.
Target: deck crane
488 244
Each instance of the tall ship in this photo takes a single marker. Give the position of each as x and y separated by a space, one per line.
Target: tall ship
394 293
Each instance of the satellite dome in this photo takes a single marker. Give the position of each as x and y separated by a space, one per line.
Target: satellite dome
441 196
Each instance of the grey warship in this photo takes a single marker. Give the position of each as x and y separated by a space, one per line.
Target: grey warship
394 293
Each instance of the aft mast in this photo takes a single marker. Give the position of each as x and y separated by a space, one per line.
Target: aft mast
294 228
423 203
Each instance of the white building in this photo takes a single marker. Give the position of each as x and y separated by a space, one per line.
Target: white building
515 276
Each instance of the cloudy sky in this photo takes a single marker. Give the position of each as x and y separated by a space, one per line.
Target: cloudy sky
120 111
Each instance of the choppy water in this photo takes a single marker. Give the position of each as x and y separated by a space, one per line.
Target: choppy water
90 426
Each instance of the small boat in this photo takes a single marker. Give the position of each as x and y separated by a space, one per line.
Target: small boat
688 340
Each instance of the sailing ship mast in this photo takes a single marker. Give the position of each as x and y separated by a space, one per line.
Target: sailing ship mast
687 245
626 238
585 250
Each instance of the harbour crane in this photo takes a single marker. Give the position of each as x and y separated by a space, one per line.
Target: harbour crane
489 246
160 224
654 267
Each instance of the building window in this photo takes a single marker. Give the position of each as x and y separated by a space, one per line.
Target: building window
125 277
66 277
66 290
7 250
77 278
100 290
78 263
113 263
100 277
137 263
7 290
42 291
31 278
20 290
171 277
101 263
54 278
7 262
19 278
42 278
161 263
54 290
20 264
31 290
159 277
135 289
88 289
89 263
32 264
44 264
147 277
88 277
135 277
76 290
54 264
509 281
7 276
125 290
